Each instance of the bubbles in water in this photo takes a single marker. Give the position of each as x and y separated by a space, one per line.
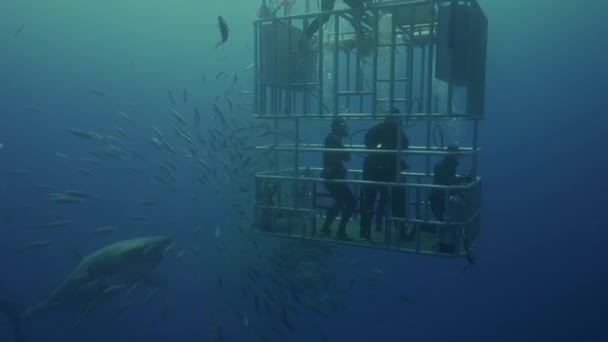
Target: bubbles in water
455 129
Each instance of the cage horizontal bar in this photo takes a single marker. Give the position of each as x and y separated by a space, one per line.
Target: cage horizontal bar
414 116
374 7
366 182
362 243
412 150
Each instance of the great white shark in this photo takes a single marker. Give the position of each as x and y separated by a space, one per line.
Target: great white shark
115 269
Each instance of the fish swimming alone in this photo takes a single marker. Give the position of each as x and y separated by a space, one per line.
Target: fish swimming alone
97 92
37 244
122 264
224 30
18 31
33 109
86 135
179 117
58 154
133 68
197 116
53 224
126 116
105 230
172 97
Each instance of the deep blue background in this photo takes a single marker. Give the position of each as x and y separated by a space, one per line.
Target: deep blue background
542 273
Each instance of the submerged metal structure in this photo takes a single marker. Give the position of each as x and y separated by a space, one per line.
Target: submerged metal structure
427 59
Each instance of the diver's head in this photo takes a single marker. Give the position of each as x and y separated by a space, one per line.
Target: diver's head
271 188
339 126
392 119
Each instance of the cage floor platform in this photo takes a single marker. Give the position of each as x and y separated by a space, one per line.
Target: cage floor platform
417 239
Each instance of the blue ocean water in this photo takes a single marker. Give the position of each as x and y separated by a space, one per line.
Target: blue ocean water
541 273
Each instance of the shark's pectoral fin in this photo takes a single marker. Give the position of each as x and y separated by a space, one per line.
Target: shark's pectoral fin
97 283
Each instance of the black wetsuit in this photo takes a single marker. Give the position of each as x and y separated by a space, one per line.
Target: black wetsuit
267 213
333 168
445 174
328 5
382 168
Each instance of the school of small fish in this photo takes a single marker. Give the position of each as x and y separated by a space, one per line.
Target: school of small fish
203 148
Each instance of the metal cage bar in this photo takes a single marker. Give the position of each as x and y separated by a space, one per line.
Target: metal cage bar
282 84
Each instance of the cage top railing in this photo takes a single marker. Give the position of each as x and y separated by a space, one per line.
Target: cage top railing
373 7
367 182
350 171
348 33
370 116
314 168
412 150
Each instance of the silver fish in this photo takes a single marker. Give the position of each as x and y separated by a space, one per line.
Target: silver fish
172 97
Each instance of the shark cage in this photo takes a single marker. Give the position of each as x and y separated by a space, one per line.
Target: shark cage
424 58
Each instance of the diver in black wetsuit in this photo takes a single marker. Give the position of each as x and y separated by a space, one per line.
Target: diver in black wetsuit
268 192
12 312
382 168
445 174
333 169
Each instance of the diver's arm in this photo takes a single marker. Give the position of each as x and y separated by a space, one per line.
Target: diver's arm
463 179
335 142
371 137
346 156
405 142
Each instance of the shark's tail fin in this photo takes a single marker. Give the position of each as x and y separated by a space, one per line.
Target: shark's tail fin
14 315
